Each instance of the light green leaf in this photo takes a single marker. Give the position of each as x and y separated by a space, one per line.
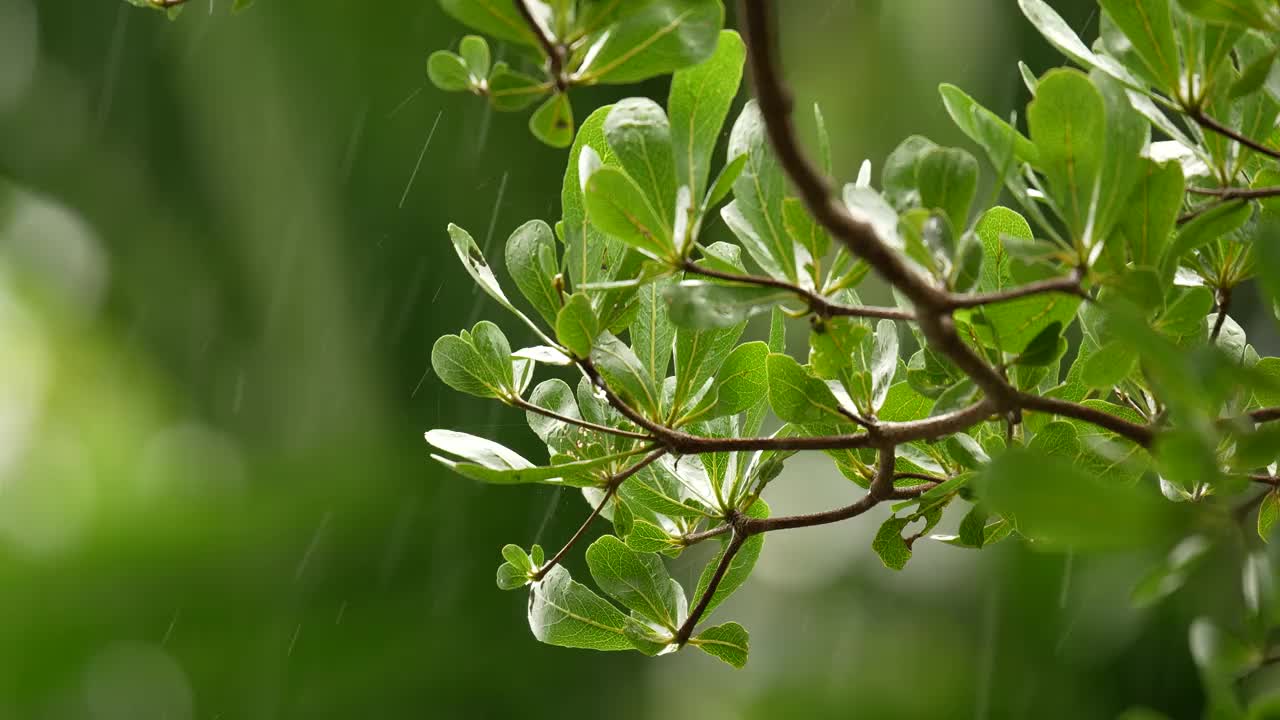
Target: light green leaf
1172 572
478 268
510 91
898 176
645 537
699 102
884 361
1068 124
533 265
1001 141
1149 27
723 184
727 642
487 461
699 355
639 134
477 362
652 38
475 51
889 545
801 226
1152 211
1060 35
566 613
651 332
552 122
948 180
617 205
993 228
1268 396
576 325
1013 324
1108 366
1203 230
448 71
796 395
498 18
1268 513
741 382
625 373
755 215
639 581
903 404
1050 500
703 305
1250 14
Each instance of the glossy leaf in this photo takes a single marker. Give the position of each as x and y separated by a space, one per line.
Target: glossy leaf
699 103
727 642
566 613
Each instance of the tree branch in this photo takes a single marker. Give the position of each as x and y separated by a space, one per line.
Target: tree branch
554 51
1237 193
1265 415
818 304
610 490
1140 434
1209 123
1069 285
730 550
1224 305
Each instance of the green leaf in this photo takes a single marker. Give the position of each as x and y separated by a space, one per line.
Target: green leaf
1253 14
654 38
702 305
475 51
741 382
739 568
1152 211
994 227
699 103
1268 396
1052 501
1060 35
898 177
884 361
721 188
639 134
903 404
1268 513
638 581
755 215
510 91
1001 141
1186 312
1068 124
498 18
699 355
801 226
1203 230
533 265
889 545
727 642
1148 25
487 461
1046 349
477 362
625 374
478 268
1254 76
948 181
796 395
645 537
566 613
576 325
1015 323
1108 366
617 205
651 332
448 71
552 122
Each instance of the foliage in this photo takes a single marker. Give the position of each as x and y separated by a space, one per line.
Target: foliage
1072 375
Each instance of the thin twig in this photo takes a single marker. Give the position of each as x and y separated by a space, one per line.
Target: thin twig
1209 123
1237 193
730 550
695 538
523 404
554 51
818 304
611 489
1224 306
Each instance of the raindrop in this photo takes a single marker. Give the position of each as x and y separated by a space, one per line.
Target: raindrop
417 166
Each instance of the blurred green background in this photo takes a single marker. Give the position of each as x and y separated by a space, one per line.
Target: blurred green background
220 279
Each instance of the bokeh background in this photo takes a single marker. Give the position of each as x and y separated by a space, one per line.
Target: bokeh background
221 273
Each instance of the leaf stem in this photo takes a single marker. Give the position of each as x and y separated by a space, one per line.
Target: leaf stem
523 404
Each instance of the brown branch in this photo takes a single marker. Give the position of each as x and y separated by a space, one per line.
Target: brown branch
1140 434
695 538
554 51
1237 193
611 489
1209 123
818 304
1069 285
881 489
1270 414
1224 305
730 550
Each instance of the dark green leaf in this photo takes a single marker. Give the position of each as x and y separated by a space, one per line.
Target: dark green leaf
948 180
1149 27
796 395
889 545
652 38
640 136
625 374
702 305
533 265
552 122
510 91
576 325
1268 513
617 205
498 18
